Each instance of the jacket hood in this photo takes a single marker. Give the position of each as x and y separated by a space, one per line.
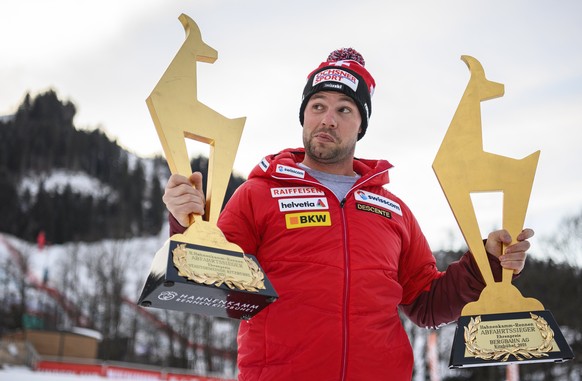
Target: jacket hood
285 165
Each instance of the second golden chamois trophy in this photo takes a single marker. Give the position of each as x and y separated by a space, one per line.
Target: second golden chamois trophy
199 271
502 326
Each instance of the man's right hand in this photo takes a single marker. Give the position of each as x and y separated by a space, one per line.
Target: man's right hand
184 196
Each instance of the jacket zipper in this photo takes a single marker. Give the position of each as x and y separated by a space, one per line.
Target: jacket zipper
346 293
344 364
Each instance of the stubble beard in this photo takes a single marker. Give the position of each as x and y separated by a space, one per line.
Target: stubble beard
328 153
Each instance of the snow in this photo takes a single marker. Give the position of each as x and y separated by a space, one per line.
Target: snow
141 249
6 118
134 254
58 180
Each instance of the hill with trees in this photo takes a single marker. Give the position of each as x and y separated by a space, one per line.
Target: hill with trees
44 157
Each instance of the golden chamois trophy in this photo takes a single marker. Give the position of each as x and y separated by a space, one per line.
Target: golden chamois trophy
199 271
502 326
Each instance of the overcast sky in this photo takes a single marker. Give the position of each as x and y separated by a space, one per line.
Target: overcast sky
106 56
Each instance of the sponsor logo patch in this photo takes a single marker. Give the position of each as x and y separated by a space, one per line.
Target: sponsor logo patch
377 200
373 209
264 164
295 172
307 219
296 191
290 204
336 75
333 86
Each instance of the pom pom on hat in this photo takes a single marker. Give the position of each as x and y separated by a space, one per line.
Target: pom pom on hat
345 54
343 71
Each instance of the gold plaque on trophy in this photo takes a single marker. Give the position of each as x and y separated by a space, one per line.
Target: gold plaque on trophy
502 326
199 271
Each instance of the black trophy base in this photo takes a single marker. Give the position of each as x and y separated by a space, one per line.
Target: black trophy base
166 289
506 338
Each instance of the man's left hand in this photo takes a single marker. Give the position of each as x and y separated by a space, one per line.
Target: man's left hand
513 257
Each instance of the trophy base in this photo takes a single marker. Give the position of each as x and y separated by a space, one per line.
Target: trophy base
223 286
506 338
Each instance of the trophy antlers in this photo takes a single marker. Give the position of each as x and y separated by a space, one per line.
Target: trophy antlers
463 167
177 114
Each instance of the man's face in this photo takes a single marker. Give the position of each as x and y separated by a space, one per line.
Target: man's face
330 127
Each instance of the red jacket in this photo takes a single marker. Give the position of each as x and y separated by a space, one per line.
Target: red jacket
341 269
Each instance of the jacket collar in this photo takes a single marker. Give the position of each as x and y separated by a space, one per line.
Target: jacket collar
284 165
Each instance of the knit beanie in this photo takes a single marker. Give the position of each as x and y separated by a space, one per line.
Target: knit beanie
344 72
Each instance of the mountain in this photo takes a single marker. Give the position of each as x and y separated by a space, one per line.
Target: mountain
76 185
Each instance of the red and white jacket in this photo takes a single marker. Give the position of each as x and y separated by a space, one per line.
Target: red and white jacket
342 269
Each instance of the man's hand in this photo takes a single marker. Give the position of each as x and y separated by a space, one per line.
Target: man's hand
184 196
514 255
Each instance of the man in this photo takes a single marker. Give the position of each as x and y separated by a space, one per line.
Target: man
342 252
